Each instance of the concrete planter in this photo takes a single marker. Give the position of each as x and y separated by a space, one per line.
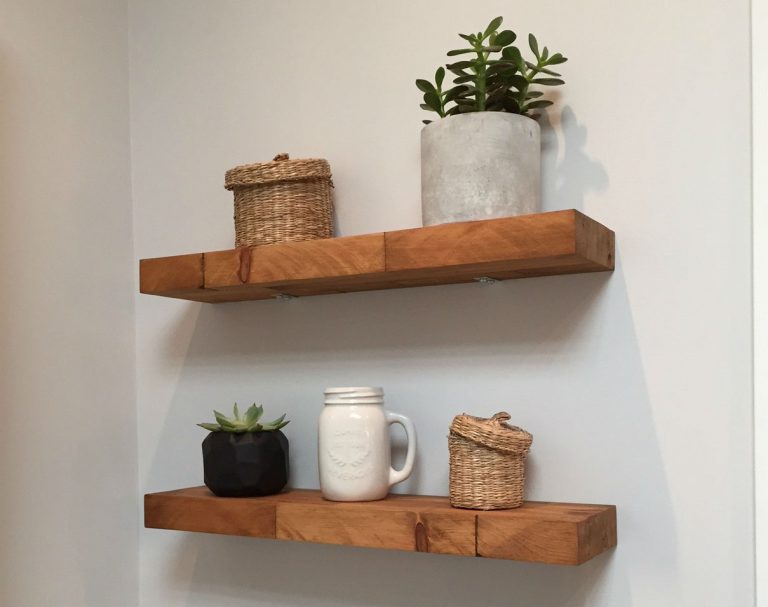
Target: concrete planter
480 165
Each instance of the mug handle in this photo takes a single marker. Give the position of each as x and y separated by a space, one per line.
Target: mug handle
396 476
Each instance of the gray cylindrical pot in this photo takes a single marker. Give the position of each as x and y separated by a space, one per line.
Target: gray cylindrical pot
480 165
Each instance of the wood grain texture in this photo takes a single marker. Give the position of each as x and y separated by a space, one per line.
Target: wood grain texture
545 244
564 534
419 524
539 236
178 276
594 242
197 509
277 265
539 532
559 242
294 262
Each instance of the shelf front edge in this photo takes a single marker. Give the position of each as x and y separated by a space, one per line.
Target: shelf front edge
545 244
566 534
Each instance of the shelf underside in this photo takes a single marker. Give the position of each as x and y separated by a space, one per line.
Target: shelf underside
545 244
544 532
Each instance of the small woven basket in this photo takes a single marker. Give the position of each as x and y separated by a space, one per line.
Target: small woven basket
487 462
281 201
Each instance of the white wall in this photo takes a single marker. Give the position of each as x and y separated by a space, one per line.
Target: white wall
68 501
636 385
760 277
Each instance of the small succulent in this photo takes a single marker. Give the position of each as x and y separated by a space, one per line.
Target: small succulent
492 82
248 422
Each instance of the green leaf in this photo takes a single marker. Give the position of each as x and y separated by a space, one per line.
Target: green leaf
512 53
460 51
432 100
493 26
461 109
556 58
533 94
425 86
439 76
461 65
548 81
455 92
463 79
532 42
495 86
222 419
500 68
495 97
511 105
424 106
544 53
504 38
544 70
519 82
211 427
253 414
534 105
278 421
282 425
469 38
255 427
491 49
236 412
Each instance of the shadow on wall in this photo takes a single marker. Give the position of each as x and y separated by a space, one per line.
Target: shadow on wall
567 174
236 571
433 348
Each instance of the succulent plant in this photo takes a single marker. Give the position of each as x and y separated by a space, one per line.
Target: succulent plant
488 82
248 422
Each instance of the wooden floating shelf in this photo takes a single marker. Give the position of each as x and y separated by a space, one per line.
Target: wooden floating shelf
545 244
542 532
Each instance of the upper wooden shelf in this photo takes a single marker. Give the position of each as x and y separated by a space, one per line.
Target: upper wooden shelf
560 242
543 532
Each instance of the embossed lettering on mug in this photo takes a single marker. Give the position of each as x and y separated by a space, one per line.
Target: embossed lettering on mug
349 453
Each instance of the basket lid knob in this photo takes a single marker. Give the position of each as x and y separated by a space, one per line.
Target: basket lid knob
280 157
500 417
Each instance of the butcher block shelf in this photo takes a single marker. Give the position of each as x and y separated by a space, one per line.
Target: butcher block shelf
544 244
542 532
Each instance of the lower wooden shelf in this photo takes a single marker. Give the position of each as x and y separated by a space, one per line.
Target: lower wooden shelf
542 532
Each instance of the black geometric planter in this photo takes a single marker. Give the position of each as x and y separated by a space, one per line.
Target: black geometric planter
247 464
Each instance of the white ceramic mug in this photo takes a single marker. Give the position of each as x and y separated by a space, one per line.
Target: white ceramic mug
354 452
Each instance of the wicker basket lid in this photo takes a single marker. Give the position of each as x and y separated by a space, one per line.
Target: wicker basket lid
281 169
493 433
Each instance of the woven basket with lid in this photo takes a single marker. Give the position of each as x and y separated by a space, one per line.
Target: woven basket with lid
487 462
281 201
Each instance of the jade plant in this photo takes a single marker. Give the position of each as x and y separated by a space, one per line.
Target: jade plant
496 78
248 422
